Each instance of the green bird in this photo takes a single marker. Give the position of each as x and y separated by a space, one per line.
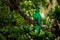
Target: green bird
37 18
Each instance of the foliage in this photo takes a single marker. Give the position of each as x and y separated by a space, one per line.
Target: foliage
14 27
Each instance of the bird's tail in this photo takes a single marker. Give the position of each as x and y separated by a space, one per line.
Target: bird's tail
37 30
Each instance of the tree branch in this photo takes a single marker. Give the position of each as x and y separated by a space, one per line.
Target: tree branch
14 6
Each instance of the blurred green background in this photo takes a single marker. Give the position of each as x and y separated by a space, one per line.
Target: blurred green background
14 27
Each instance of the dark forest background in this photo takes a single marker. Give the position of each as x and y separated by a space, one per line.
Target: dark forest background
16 21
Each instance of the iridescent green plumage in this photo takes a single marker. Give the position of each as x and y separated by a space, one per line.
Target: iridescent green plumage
37 18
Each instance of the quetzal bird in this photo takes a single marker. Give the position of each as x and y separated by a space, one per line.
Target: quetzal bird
37 18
